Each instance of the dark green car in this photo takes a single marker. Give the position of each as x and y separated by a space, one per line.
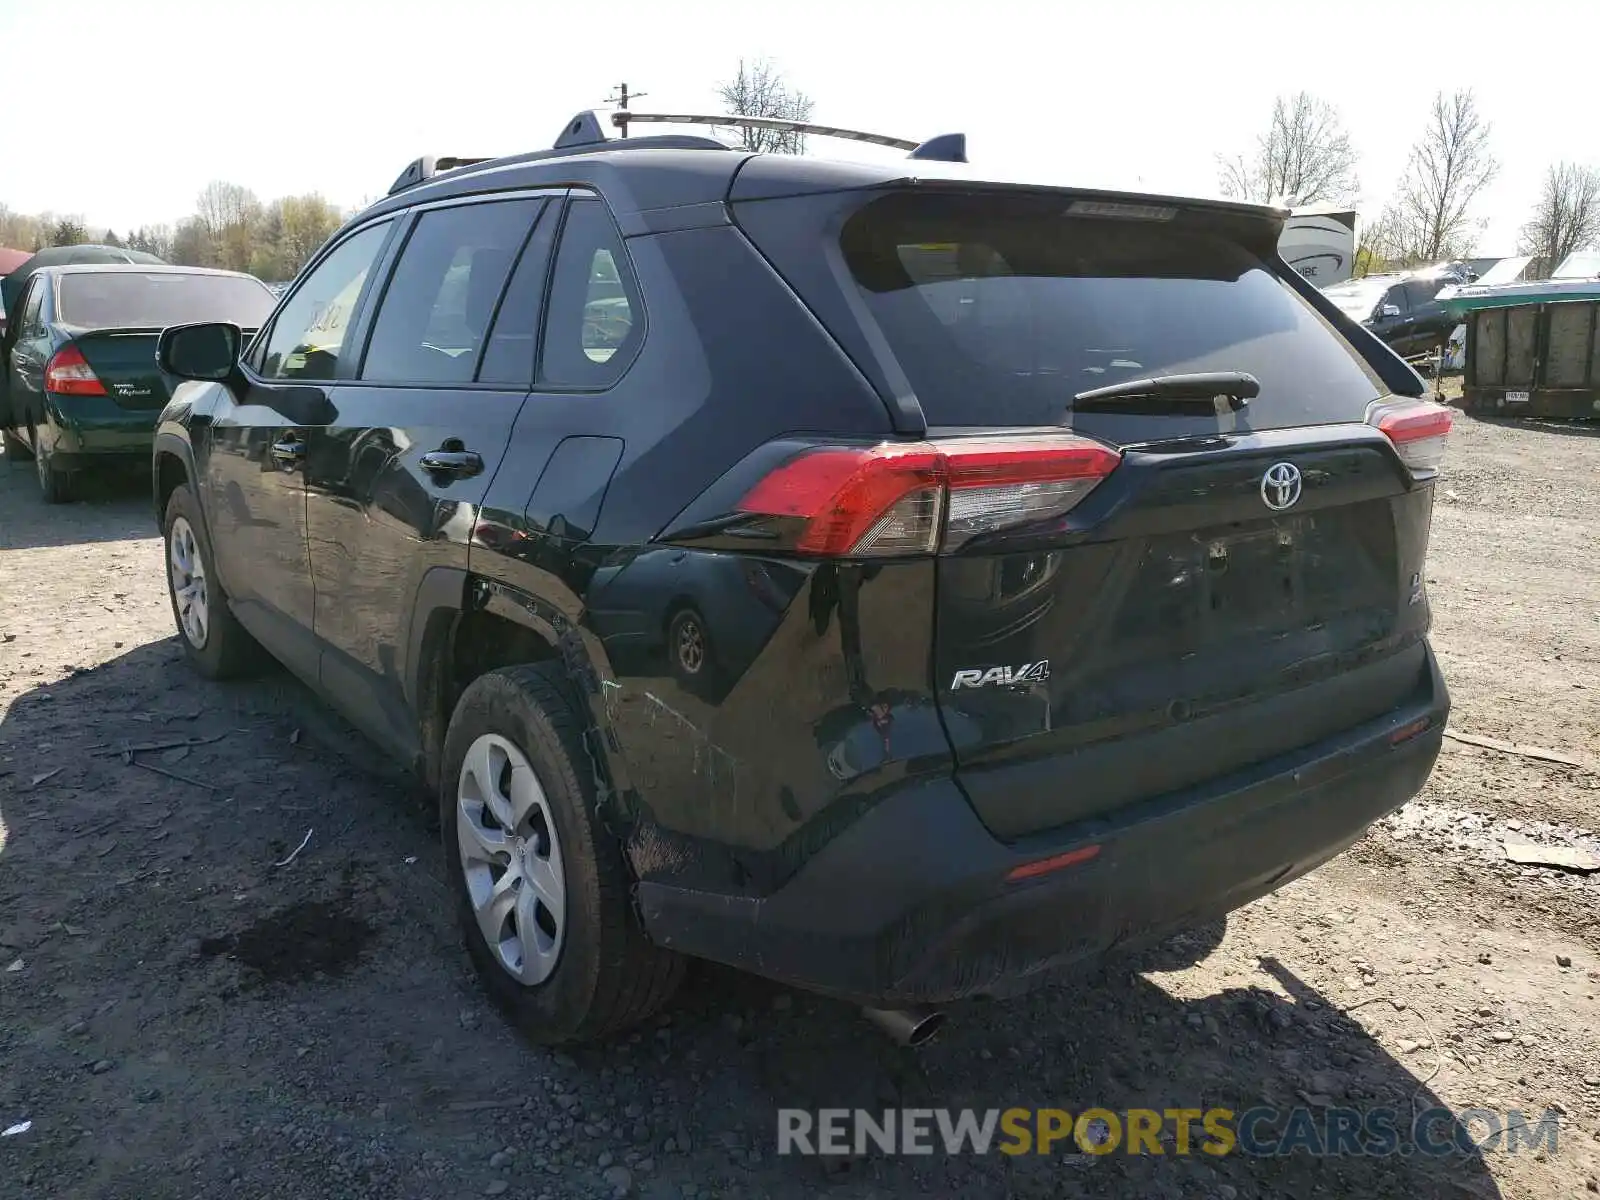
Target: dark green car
81 385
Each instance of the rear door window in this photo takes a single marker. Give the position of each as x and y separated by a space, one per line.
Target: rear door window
31 326
999 311
513 341
435 313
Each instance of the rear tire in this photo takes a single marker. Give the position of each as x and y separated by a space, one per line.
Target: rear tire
55 485
517 789
213 640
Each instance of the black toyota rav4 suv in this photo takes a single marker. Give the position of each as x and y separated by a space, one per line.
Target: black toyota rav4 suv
887 581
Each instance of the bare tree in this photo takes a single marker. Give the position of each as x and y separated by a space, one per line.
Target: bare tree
1304 157
1375 247
23 231
1430 216
1567 217
222 206
760 90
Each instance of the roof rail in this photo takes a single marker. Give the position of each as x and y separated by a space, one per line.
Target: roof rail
584 132
949 147
426 167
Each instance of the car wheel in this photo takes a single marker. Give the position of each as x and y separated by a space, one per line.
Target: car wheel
543 892
689 645
213 640
55 485
16 449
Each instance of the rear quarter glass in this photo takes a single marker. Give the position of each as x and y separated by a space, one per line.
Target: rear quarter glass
999 309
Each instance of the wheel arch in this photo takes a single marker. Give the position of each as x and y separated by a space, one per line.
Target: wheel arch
463 626
171 466
682 602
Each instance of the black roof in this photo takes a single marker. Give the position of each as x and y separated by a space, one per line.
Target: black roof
642 174
634 179
638 179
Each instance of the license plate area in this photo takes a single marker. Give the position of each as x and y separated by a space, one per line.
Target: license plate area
1247 580
1209 590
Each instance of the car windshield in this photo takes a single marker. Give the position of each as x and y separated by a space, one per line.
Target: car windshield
1356 300
137 300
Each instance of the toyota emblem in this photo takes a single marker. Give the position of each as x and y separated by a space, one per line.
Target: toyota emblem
1280 486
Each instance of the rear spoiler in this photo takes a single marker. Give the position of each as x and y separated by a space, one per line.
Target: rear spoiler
79 331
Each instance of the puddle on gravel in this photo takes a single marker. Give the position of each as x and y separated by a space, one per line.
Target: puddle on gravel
298 943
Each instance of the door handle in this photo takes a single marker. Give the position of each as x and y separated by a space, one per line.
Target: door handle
290 450
452 462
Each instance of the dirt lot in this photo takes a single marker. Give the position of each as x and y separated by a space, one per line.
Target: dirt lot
179 1017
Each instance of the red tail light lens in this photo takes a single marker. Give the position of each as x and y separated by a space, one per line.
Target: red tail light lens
885 497
892 499
1419 429
69 374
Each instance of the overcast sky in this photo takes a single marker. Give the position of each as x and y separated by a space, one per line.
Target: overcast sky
124 111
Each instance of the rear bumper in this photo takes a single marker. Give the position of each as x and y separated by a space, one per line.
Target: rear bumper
96 427
911 903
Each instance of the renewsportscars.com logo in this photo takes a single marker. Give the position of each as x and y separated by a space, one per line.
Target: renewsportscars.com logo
1263 1131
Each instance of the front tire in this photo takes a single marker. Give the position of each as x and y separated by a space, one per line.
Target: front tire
213 640
543 893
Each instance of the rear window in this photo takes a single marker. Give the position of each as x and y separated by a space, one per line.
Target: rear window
1000 312
134 300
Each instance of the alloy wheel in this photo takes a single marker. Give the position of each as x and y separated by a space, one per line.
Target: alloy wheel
691 645
187 573
511 859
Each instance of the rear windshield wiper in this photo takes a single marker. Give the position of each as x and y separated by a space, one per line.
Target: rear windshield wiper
1202 394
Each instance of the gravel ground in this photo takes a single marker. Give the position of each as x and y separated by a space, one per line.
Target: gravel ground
182 1017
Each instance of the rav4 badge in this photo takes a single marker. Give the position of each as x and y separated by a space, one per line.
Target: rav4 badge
977 677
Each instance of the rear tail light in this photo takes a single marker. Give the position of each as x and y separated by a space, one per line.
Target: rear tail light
69 374
921 497
1419 430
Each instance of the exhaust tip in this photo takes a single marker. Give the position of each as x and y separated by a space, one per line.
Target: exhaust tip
906 1026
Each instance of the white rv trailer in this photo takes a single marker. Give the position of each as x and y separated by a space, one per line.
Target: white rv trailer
1319 241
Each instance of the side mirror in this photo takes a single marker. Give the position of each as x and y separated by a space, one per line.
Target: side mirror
208 351
1389 310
